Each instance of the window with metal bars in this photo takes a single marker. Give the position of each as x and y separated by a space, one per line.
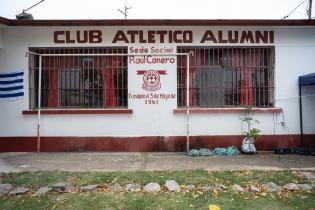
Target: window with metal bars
80 80
227 77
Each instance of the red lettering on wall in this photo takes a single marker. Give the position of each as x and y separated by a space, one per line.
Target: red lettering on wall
208 36
57 37
271 37
132 35
231 38
68 37
120 37
221 40
187 36
85 37
162 34
95 36
247 36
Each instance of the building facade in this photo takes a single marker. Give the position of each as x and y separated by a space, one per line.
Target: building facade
121 85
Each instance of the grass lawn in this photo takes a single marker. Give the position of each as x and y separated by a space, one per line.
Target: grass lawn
196 199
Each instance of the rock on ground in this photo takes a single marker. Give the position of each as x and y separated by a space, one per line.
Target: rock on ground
191 187
133 187
271 187
238 188
43 191
62 187
308 175
152 187
90 188
220 187
206 188
253 188
172 185
116 187
19 191
5 189
291 186
305 186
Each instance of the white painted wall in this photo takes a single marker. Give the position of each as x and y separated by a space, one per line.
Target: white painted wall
295 55
1 37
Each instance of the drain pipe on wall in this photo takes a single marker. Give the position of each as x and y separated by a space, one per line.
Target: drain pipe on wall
187 102
39 101
39 97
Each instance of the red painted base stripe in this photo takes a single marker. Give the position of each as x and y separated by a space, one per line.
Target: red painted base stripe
146 144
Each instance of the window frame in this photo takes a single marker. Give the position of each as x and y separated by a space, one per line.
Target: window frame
269 67
102 66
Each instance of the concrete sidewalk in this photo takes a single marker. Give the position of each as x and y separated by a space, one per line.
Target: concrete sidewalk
91 161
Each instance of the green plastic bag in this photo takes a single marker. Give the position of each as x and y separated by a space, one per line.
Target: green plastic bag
220 151
231 151
193 152
205 152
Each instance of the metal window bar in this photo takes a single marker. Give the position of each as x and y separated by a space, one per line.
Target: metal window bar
227 77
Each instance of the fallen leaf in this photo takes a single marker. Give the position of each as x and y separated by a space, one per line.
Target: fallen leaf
196 196
263 194
273 197
199 192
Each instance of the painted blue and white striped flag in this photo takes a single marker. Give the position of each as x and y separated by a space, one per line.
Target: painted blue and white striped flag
11 85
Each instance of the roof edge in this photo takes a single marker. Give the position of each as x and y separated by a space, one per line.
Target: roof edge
4 21
158 22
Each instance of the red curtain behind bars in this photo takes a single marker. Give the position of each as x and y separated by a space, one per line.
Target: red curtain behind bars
49 65
244 60
108 66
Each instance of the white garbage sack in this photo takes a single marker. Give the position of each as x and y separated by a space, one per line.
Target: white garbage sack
248 146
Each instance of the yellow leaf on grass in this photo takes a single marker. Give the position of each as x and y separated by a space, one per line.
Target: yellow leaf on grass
199 192
273 197
191 206
214 207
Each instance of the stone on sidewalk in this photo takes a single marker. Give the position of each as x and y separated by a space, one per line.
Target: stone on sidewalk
152 187
172 185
